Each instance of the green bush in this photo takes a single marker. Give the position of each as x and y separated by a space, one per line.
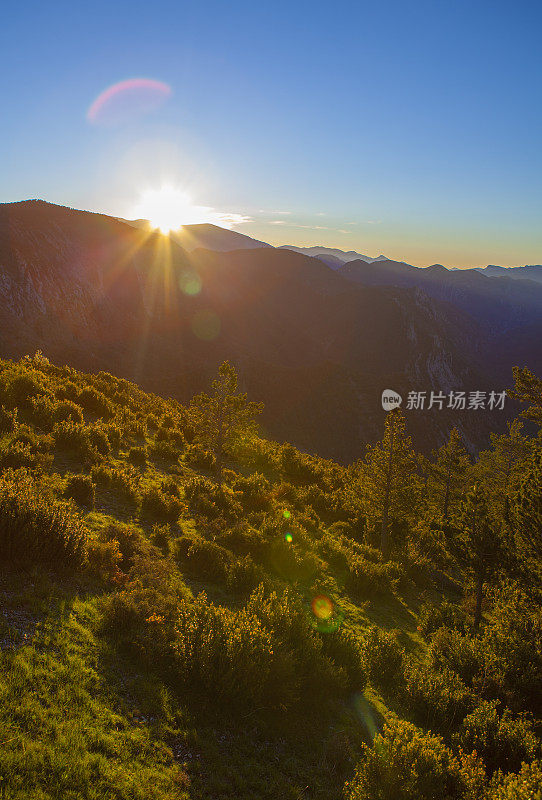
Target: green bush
459 652
435 699
232 655
19 455
202 559
46 411
526 785
285 615
157 505
36 529
95 402
344 650
104 558
8 420
512 648
404 763
196 456
137 456
383 659
130 541
117 479
243 576
209 500
75 438
433 616
504 742
161 537
22 386
243 540
164 450
367 579
81 489
254 492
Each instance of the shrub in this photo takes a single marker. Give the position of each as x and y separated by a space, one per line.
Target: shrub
244 540
344 650
81 489
368 579
233 656
161 537
244 576
130 541
202 559
196 456
254 491
460 653
156 504
512 648
526 785
22 387
434 616
209 500
117 479
165 450
8 420
382 658
19 455
285 616
333 552
104 558
75 438
137 456
404 763
36 529
95 402
436 699
504 742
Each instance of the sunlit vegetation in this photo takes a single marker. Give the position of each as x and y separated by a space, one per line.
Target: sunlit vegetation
189 610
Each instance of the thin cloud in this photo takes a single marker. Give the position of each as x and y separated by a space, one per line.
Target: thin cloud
231 220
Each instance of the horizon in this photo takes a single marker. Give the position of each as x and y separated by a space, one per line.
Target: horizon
279 245
429 154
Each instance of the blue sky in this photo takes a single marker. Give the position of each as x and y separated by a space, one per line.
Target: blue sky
409 128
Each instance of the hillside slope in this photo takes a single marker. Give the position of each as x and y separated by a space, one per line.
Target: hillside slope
97 293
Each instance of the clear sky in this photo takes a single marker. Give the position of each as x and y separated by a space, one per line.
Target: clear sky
404 127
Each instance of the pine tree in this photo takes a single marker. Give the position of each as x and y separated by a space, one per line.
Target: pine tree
449 470
528 389
527 504
224 415
389 476
500 468
480 545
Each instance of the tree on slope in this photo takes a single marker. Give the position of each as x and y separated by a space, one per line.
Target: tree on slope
449 470
528 389
480 544
389 476
223 415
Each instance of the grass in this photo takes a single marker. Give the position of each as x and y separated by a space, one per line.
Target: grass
78 719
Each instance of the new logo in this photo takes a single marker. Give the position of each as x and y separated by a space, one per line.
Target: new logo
390 400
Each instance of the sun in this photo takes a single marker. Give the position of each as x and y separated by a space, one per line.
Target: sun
168 208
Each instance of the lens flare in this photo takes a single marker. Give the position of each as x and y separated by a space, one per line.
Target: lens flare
322 607
288 538
205 325
126 100
190 283
327 616
286 514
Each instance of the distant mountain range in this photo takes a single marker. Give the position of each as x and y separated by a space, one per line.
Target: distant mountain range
332 256
317 345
